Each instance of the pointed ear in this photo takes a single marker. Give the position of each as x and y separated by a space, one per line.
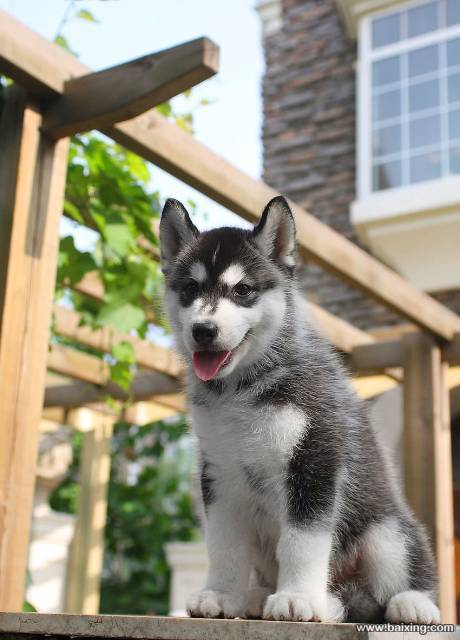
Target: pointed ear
176 230
275 233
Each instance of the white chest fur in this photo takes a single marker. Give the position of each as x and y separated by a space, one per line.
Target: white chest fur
236 438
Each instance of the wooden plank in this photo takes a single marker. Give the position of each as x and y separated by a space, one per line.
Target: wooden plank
87 547
33 61
125 91
147 354
153 137
162 628
428 456
25 308
376 356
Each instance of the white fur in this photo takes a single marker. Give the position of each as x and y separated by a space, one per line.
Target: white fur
198 272
384 557
232 438
232 275
412 607
303 555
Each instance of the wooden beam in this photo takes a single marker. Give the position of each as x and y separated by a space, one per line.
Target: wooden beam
378 356
87 548
37 179
145 386
428 456
154 138
123 92
148 355
38 626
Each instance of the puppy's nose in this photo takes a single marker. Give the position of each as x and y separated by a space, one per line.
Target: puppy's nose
204 333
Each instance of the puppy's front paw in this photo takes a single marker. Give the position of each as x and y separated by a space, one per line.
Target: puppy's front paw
302 607
216 604
412 606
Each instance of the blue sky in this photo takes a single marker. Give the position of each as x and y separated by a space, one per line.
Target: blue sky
130 28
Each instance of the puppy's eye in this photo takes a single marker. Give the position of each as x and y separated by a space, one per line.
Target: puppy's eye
242 290
190 288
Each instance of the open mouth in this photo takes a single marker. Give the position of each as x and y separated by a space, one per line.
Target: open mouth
207 364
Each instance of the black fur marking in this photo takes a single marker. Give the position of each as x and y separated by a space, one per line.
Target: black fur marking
311 479
421 570
207 482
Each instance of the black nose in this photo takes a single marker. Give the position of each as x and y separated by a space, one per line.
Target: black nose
204 333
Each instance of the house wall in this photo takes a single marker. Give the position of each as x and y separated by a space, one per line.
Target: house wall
309 135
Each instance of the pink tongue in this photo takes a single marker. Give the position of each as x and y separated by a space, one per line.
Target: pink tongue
208 363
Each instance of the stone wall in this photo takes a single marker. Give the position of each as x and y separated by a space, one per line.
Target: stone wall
309 137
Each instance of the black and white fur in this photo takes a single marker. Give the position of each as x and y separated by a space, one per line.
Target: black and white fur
304 520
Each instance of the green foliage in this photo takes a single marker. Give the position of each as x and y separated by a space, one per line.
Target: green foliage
108 191
149 504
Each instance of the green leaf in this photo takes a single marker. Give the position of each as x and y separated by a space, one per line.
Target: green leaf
123 318
63 42
72 264
84 14
28 608
121 373
119 238
124 352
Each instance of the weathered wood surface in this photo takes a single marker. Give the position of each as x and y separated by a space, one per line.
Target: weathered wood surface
125 91
148 355
31 236
428 456
87 548
42 64
161 628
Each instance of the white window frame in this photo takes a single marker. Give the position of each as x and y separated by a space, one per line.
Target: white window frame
366 56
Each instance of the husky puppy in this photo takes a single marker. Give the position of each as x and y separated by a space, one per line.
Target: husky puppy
303 520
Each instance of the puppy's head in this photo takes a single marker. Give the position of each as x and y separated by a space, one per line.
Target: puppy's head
226 289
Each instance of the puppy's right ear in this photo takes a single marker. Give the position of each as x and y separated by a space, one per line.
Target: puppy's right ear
176 230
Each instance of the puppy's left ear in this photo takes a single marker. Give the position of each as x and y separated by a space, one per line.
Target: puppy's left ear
275 233
176 231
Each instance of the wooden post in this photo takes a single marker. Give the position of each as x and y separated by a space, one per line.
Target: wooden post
87 550
32 181
428 456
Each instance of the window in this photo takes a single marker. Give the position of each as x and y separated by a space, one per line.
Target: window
409 109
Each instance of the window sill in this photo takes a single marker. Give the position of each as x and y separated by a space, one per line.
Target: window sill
416 230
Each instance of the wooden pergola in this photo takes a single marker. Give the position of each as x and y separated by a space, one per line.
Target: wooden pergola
54 96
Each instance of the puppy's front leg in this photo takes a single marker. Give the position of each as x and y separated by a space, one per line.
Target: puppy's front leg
303 554
227 538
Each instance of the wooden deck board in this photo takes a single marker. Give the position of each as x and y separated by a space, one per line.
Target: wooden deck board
63 626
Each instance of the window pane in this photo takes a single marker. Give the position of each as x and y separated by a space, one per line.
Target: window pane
453 12
387 140
386 30
387 105
425 131
423 61
424 95
387 175
453 52
425 167
453 87
454 124
422 19
386 71
455 159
